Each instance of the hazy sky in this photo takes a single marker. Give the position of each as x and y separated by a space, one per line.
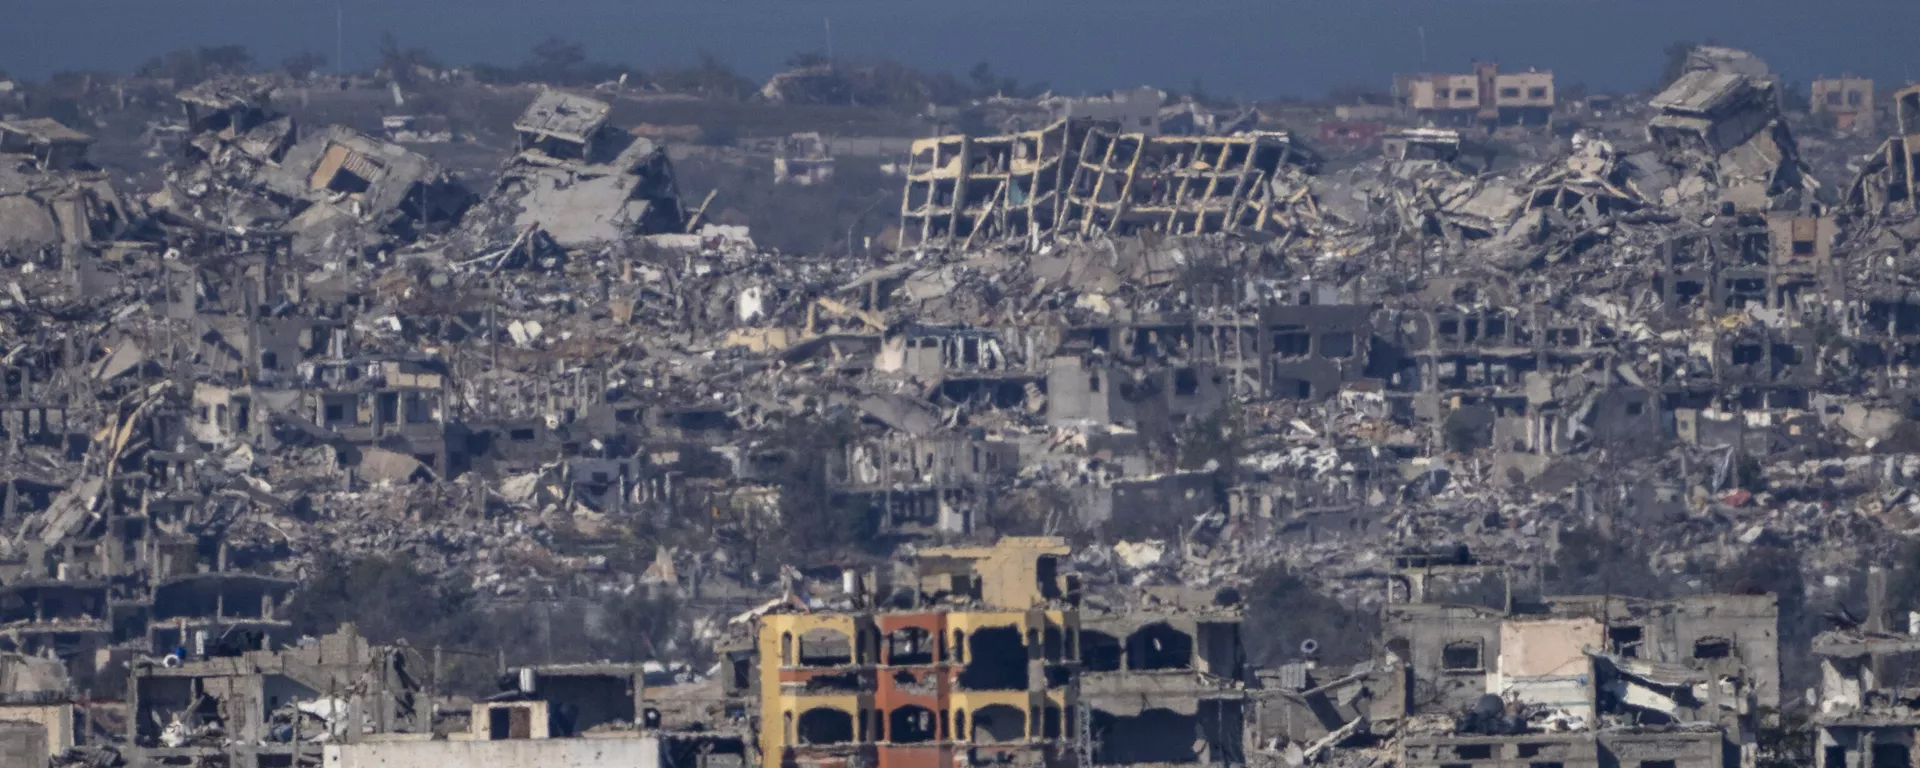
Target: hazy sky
1257 48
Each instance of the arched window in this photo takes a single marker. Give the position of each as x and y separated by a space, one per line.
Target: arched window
909 646
911 725
1402 649
786 649
998 723
997 661
823 725
1159 646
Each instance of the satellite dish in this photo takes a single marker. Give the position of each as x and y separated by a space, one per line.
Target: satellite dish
1309 646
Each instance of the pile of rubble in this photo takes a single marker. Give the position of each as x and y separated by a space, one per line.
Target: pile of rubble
1218 352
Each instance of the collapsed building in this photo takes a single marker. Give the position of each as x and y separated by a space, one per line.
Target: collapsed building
1886 181
1201 341
1864 713
1078 177
1579 680
579 181
1732 120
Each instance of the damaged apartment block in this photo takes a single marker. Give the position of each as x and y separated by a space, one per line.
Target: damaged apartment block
579 181
1591 680
1722 115
1163 681
340 172
1866 716
701 503
1078 177
969 659
1889 180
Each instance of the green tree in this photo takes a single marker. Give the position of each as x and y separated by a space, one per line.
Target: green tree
557 60
1283 611
304 64
1787 742
1590 562
807 59
403 64
816 524
193 65
712 77
387 599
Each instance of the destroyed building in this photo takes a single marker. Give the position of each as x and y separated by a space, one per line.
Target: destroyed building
972 658
1731 118
1887 180
1079 177
50 145
1169 663
1194 345
579 181
1863 707
1588 680
342 172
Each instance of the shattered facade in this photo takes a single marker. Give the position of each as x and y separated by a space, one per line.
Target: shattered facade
1077 178
1194 344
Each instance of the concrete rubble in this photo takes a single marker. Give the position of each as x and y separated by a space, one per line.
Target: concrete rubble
1189 340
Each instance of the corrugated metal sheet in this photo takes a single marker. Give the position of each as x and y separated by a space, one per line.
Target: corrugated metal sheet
362 166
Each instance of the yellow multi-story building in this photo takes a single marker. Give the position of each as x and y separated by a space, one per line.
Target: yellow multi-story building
978 663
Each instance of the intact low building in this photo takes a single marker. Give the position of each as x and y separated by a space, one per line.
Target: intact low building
1484 96
1846 103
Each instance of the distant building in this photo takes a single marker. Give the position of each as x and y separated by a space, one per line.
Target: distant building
1134 111
803 159
1352 134
52 146
1847 102
1484 96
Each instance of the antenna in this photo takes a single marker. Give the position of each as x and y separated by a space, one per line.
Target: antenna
339 36
829 22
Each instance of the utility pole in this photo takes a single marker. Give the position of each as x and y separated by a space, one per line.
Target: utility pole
339 36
